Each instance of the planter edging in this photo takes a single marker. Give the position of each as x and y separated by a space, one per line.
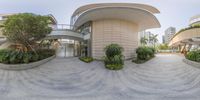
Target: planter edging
192 63
25 66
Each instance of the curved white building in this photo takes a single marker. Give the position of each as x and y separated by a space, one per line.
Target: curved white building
195 20
106 23
188 37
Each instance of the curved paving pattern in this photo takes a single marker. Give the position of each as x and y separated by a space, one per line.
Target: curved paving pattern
165 77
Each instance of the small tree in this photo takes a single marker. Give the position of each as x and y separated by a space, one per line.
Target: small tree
154 39
143 41
26 28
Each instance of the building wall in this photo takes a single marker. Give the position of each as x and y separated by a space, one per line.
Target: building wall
107 31
169 33
185 35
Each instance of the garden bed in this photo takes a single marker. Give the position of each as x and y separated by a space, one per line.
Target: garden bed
86 59
192 63
25 66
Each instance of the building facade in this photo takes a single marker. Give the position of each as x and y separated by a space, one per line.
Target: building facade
188 38
163 39
113 23
169 33
95 26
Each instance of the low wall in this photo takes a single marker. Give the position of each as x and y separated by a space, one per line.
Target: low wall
25 66
192 63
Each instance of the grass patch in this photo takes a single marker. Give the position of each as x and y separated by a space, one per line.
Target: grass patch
114 66
86 59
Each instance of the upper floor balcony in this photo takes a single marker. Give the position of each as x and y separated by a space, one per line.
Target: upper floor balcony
67 31
62 27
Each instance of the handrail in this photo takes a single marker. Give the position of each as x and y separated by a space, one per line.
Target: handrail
62 27
66 27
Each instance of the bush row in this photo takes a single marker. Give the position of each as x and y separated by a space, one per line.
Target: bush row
18 57
193 55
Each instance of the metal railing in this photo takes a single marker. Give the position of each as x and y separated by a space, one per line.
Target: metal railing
84 34
62 27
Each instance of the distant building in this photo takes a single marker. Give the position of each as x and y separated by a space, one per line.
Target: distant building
147 35
163 39
169 33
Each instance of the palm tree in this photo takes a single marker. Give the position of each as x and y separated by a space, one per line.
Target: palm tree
143 41
153 39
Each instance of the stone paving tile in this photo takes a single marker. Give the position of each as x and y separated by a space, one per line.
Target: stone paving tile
165 77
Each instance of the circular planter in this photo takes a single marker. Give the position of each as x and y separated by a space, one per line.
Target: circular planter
25 66
192 63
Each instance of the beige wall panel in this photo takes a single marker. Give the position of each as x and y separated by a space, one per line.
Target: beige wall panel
109 31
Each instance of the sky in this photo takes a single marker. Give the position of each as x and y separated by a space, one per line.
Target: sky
174 13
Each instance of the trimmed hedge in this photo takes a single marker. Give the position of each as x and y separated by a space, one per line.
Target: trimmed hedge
17 57
193 55
86 59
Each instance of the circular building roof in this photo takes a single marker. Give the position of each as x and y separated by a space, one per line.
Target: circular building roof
129 5
136 13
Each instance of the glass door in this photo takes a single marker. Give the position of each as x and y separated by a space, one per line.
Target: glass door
77 48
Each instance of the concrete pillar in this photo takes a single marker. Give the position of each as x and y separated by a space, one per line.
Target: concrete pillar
89 48
179 48
189 47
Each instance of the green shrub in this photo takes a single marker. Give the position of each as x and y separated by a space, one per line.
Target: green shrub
114 66
26 58
18 57
193 55
117 59
86 59
4 56
114 59
113 49
144 54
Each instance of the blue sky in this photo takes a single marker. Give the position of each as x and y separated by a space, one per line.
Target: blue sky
173 12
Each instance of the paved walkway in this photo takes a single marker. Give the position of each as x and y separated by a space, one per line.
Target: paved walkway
165 77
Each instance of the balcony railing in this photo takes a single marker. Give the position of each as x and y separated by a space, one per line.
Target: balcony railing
68 30
62 27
